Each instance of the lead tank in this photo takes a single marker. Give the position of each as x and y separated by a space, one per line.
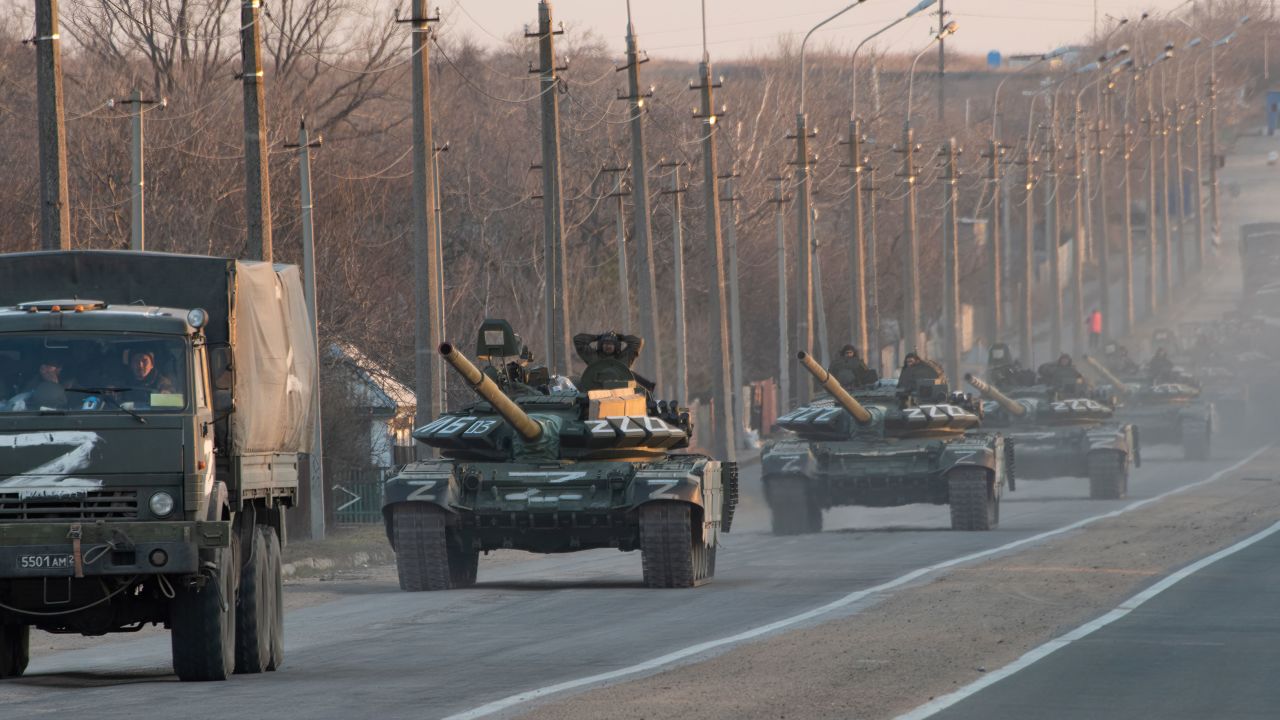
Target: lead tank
1165 413
1060 436
883 449
544 467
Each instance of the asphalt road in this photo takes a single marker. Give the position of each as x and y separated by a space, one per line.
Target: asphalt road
378 652
1204 648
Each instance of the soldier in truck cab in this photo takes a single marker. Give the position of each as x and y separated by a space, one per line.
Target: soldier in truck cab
144 376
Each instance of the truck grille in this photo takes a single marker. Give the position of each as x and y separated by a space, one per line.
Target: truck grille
93 505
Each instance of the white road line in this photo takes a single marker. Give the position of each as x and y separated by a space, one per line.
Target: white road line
932 708
511 701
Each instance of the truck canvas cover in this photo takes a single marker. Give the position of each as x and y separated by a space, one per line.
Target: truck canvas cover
255 308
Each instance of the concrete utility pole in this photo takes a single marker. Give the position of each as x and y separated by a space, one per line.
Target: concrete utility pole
624 278
257 186
138 205
1199 141
55 213
1166 235
1052 225
650 362
556 293
677 267
442 327
784 350
1212 97
1081 232
1153 247
874 335
951 262
726 445
1103 237
995 272
1026 337
942 62
1179 208
910 251
428 295
1126 152
819 304
857 243
316 486
804 252
735 308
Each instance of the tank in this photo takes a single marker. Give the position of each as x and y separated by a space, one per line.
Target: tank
539 465
1167 413
1062 436
880 448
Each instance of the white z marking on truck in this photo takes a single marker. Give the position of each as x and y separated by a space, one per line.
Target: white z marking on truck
57 470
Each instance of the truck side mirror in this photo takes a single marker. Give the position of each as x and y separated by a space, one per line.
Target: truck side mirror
220 368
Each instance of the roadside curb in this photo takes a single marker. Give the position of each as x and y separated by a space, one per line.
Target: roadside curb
309 566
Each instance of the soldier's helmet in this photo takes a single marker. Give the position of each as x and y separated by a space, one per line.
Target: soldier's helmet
608 343
999 354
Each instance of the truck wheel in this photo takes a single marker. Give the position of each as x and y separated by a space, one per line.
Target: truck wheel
253 609
15 650
422 554
1108 476
793 511
671 555
276 597
203 620
1195 440
974 503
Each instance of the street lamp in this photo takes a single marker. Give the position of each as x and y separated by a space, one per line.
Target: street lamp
920 7
949 29
804 43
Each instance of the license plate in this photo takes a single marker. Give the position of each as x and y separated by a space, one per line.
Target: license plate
55 561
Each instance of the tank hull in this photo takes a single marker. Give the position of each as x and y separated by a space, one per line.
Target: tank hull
1046 452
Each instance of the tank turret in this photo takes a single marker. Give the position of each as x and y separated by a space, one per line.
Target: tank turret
485 387
832 386
1011 406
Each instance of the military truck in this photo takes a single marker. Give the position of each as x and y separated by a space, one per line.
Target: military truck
1260 264
1165 413
543 466
1059 436
884 448
152 410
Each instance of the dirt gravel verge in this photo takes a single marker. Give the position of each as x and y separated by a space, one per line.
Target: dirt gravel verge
930 639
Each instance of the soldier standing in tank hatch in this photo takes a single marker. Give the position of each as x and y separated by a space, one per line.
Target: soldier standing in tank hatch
1160 367
850 371
623 348
916 369
1004 371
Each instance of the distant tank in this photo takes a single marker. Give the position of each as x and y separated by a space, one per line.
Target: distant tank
884 449
1059 436
1167 413
539 466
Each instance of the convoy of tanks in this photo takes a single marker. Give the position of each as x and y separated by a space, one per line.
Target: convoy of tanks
208 364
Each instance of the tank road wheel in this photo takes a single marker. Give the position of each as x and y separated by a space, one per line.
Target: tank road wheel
672 555
15 650
793 511
974 504
203 619
1195 440
276 597
422 553
253 608
1108 476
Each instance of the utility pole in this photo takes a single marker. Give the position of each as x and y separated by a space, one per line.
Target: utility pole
1026 336
1126 152
257 186
726 446
942 61
1052 224
650 362
556 293
1199 140
1166 236
1082 230
137 216
910 252
677 254
951 262
1180 210
857 242
735 311
804 253
873 274
784 351
1214 235
55 213
1103 242
624 280
442 371
995 272
819 305
1152 245
428 295
316 481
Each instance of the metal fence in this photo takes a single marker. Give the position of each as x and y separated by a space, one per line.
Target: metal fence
357 496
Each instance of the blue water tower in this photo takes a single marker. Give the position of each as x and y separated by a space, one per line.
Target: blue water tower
993 59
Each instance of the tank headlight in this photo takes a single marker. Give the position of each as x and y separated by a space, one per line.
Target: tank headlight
197 317
161 504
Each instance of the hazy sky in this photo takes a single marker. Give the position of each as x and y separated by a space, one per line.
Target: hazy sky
671 28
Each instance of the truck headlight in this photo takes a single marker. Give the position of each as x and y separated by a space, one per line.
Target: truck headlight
196 318
161 504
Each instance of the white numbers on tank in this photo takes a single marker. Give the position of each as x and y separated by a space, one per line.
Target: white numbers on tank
480 427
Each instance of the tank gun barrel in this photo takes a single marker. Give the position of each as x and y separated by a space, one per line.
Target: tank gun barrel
832 386
989 391
486 388
1107 375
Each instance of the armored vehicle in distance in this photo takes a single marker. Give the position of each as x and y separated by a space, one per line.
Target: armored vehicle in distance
884 448
545 467
1058 436
1165 413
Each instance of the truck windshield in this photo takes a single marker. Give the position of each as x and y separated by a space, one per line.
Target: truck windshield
83 372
